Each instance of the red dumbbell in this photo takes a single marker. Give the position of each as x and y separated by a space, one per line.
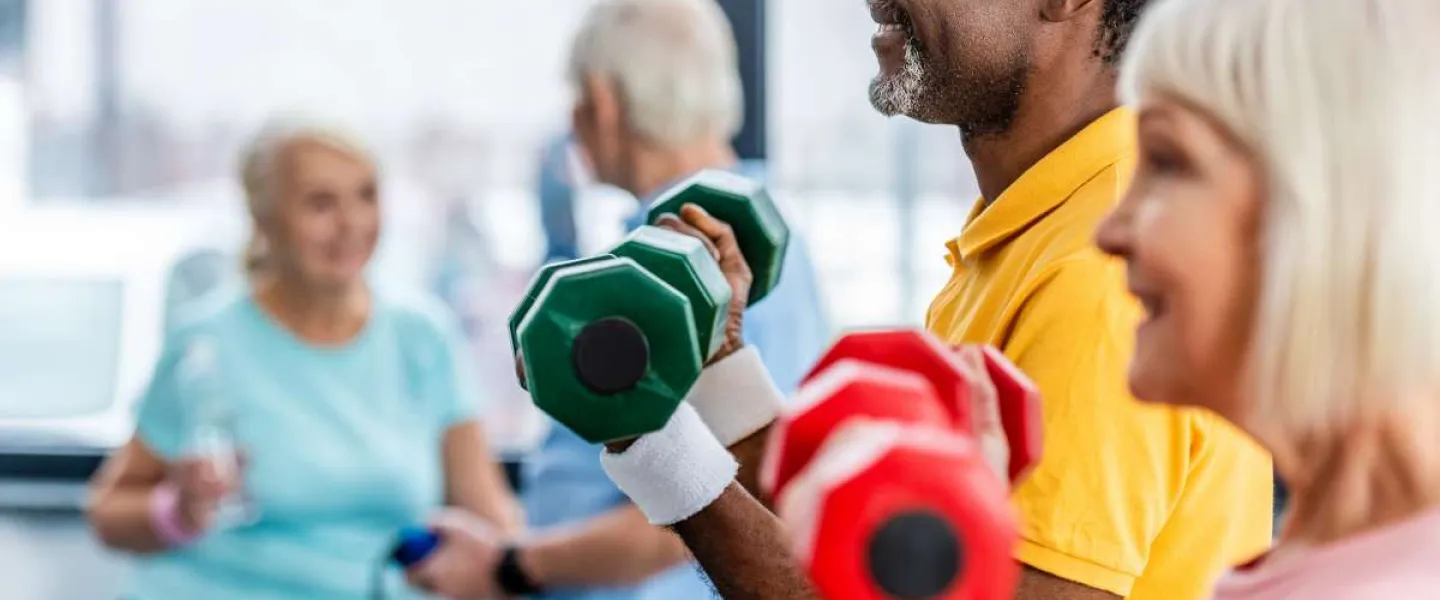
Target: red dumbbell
909 350
895 512
848 389
826 400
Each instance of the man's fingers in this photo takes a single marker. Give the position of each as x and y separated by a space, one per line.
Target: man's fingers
520 372
984 398
985 410
713 228
674 223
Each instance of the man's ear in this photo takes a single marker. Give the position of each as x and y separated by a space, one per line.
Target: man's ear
1059 11
604 101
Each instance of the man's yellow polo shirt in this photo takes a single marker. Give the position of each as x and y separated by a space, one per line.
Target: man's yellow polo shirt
1144 501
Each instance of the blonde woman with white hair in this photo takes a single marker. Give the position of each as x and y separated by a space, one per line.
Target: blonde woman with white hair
353 407
1281 232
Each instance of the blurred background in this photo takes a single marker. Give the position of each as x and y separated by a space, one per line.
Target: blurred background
120 126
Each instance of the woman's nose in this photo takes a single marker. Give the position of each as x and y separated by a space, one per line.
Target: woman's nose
1113 233
357 215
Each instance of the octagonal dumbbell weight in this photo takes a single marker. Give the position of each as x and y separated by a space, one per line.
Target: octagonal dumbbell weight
861 375
610 346
744 204
848 389
909 350
889 511
537 284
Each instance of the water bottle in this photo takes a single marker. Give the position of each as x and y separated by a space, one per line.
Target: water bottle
211 434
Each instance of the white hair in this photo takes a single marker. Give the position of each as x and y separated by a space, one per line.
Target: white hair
262 158
673 63
1340 102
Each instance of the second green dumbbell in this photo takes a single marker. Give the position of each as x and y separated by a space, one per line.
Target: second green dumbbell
610 345
744 204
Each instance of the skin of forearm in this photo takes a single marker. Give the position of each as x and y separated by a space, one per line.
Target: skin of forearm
614 549
1039 585
744 549
121 520
749 453
118 508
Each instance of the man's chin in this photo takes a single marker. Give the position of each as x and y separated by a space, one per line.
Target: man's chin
884 99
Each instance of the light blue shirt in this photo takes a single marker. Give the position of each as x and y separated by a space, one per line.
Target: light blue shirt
557 201
563 482
343 447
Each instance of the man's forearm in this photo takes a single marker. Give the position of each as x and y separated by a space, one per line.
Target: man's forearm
1039 585
749 452
616 548
744 549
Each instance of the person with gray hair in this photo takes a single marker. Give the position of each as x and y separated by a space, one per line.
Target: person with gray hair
659 97
353 406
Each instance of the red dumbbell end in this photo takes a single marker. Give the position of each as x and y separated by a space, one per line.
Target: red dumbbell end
847 389
912 350
889 512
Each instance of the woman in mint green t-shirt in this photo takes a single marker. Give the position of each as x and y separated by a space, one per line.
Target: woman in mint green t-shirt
353 407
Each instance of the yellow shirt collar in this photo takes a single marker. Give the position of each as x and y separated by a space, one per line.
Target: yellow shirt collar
1047 184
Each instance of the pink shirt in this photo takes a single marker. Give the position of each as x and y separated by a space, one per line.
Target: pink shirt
1399 561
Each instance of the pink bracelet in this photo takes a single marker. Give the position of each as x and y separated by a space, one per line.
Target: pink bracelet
165 516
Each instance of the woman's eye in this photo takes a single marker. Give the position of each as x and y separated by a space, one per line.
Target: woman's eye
320 201
1163 162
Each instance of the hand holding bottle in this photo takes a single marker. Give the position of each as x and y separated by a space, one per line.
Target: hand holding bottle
201 485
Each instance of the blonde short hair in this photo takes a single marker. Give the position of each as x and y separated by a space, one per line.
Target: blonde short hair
1338 100
674 63
260 164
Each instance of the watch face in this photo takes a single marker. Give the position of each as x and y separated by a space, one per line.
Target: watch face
513 579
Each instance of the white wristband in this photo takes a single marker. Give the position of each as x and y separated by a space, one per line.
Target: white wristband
736 397
673 473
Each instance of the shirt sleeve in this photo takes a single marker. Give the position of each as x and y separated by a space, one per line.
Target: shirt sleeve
1228 495
160 424
1112 468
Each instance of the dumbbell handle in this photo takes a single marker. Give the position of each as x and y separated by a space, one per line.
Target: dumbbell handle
414 544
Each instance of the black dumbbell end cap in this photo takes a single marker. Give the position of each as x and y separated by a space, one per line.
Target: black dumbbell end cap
915 556
611 355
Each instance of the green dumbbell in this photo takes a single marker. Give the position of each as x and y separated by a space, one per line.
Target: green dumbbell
747 208
537 283
611 345
685 264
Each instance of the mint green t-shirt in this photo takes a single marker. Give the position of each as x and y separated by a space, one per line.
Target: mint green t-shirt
343 447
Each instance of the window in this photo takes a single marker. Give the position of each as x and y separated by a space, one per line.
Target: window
59 347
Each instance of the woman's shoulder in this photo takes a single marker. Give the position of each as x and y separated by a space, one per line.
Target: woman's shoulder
206 314
1395 561
415 313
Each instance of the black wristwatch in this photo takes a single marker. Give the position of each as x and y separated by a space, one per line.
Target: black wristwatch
512 578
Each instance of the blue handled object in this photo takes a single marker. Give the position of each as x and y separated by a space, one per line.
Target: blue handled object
414 545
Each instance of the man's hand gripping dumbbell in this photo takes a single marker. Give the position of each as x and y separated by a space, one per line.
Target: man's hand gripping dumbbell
610 345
